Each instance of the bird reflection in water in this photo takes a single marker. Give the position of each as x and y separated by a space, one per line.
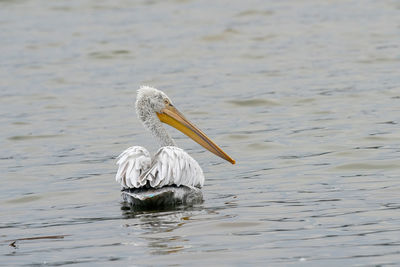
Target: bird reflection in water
159 226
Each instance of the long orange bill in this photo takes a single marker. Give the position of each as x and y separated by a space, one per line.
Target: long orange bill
171 116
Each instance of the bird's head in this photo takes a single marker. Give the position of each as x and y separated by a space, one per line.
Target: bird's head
151 101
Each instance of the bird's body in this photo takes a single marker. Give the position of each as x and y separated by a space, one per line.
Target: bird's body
172 175
170 166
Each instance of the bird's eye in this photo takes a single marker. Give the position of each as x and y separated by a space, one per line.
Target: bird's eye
166 102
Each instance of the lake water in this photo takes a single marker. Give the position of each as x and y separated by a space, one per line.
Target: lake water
304 95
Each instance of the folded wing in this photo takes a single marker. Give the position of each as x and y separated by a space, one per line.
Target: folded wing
132 163
173 166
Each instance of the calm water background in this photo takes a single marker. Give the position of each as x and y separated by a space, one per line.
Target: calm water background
304 95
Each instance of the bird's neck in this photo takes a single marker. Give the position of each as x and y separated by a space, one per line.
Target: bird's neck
163 136
157 129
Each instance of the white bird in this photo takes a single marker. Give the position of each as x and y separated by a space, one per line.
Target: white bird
171 176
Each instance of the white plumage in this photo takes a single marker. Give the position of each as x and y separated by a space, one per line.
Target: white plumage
170 166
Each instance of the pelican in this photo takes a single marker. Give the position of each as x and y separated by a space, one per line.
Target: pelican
171 175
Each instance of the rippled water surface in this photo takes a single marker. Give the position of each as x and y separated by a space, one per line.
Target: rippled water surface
304 95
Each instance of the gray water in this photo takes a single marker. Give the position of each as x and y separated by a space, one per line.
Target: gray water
304 95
